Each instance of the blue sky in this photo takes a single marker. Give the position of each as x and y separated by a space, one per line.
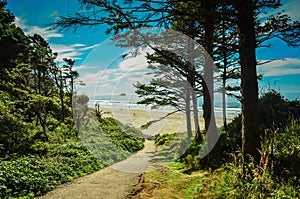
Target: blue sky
104 72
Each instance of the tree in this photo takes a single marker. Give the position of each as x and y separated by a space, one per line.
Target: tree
249 85
13 42
70 75
168 88
126 16
205 15
252 34
29 90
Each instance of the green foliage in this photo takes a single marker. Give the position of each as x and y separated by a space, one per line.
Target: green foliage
241 180
276 176
284 148
192 162
31 175
164 139
274 111
125 137
275 114
63 157
39 145
13 132
171 147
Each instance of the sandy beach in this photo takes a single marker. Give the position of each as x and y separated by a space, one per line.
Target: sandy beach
173 123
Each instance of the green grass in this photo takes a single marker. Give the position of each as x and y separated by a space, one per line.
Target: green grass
276 176
172 182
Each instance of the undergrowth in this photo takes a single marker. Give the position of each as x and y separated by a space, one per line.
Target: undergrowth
64 157
277 175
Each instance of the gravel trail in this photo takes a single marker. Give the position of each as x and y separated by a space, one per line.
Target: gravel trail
113 182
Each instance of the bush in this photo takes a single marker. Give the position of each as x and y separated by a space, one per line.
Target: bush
285 151
46 164
164 139
125 137
276 176
32 175
275 113
246 180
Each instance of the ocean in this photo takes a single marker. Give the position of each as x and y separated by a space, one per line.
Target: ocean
124 101
130 102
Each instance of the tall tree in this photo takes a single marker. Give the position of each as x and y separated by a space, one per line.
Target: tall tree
252 32
70 75
249 85
169 87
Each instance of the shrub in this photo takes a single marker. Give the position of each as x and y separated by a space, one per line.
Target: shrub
31 175
164 139
245 180
286 153
125 137
275 114
276 176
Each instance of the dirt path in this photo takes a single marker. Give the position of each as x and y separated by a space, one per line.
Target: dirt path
112 182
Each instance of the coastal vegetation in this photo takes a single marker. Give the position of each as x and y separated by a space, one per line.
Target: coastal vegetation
275 176
242 164
40 147
49 135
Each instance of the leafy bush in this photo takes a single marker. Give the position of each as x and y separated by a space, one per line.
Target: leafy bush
284 149
125 137
245 180
276 176
164 139
171 147
64 157
275 111
275 114
31 175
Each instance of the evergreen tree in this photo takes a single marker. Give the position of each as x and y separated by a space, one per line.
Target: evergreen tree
242 17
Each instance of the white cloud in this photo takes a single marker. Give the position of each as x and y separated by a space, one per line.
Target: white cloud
72 51
78 68
136 63
287 66
71 55
46 33
292 9
89 47
121 78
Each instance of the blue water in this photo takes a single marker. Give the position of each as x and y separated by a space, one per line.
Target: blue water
233 106
130 102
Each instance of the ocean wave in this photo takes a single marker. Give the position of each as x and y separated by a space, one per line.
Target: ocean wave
230 112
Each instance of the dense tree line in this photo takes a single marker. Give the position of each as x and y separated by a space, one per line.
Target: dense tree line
34 90
43 142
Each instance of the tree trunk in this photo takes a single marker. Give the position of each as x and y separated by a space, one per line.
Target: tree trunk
72 91
224 92
224 105
188 113
214 151
196 117
61 95
249 86
224 78
208 85
191 78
